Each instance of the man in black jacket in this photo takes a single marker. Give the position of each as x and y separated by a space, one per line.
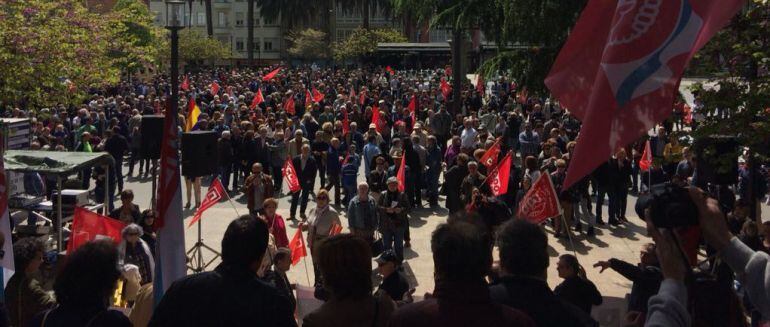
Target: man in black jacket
116 145
231 295
524 261
226 158
646 276
306 169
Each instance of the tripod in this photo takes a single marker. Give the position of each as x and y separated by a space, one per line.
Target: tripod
195 261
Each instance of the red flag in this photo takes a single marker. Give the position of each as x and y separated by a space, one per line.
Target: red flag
186 83
89 226
446 90
619 76
214 88
521 96
389 70
347 158
271 75
480 84
345 121
335 229
540 202
258 98
401 174
213 195
413 109
376 118
490 157
297 247
498 179
362 97
308 99
448 71
317 96
290 174
687 114
289 106
645 162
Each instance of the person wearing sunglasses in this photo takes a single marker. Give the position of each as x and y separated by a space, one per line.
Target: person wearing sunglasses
132 250
322 218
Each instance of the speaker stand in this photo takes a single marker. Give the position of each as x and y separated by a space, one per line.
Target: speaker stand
195 261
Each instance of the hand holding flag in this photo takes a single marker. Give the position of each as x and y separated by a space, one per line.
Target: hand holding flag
290 174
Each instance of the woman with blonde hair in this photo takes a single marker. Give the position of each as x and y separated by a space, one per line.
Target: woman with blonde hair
322 218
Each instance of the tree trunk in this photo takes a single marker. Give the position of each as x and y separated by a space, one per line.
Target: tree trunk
250 36
209 20
365 13
457 73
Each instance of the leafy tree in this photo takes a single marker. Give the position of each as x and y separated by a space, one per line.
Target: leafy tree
740 57
363 43
52 52
195 48
365 8
134 39
308 44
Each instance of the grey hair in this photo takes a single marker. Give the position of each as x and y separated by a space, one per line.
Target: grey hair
132 228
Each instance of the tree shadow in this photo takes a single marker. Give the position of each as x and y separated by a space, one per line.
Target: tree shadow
579 247
594 240
409 274
410 254
629 231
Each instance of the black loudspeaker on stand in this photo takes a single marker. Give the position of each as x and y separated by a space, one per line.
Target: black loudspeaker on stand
152 136
199 158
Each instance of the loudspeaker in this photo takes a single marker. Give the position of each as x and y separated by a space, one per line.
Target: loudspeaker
199 153
716 158
152 136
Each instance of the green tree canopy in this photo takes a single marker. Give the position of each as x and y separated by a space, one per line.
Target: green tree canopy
195 47
308 44
52 52
363 42
134 42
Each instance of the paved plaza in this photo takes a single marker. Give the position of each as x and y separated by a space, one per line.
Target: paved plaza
622 242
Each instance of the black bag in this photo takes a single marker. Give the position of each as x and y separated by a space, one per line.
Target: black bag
377 245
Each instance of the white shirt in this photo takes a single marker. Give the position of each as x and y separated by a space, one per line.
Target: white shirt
468 137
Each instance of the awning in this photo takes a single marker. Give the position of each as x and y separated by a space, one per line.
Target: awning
53 162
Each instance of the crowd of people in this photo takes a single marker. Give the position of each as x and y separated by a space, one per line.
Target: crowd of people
352 130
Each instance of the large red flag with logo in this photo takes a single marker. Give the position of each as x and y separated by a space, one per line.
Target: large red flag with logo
297 247
214 88
271 74
89 226
490 157
619 76
213 195
290 174
540 202
258 98
401 174
185 83
645 162
500 176
289 106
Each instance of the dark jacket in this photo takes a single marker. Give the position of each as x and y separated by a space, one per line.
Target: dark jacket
453 179
377 181
116 146
535 298
455 304
226 152
390 221
372 311
248 188
24 297
395 285
227 296
70 315
581 292
646 282
620 177
306 176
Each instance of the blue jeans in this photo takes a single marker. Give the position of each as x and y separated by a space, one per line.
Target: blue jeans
393 239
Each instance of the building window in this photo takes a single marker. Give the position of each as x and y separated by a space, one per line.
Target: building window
256 44
269 22
239 19
239 44
222 19
256 21
268 46
201 19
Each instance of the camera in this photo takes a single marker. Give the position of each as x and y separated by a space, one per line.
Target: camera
670 206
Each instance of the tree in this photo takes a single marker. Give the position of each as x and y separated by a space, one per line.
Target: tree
52 52
195 48
308 44
134 39
293 14
366 7
363 43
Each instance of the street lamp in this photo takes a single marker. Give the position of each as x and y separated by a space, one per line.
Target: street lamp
175 10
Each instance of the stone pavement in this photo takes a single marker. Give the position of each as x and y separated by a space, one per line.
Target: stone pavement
621 242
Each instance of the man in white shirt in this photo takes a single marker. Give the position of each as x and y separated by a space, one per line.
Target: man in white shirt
468 136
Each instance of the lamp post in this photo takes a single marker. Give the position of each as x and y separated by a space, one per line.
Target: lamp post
175 10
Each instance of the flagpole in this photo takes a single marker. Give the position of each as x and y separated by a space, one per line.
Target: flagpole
232 204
